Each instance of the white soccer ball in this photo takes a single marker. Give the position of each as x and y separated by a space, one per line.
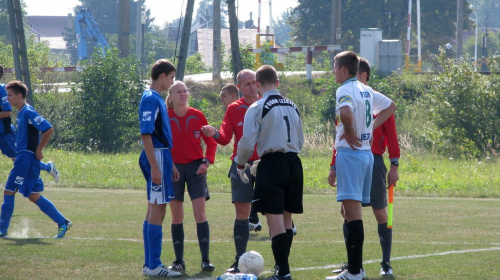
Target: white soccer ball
251 262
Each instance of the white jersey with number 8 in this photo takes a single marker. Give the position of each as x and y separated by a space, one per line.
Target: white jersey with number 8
364 102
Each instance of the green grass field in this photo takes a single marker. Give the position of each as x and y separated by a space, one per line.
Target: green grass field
434 238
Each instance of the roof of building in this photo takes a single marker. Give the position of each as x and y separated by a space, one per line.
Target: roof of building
49 26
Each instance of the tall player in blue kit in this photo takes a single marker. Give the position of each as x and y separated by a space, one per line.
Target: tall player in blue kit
156 165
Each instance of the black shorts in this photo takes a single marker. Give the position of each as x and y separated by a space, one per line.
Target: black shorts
196 183
378 193
279 184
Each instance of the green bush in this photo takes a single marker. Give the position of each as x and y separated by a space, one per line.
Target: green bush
195 64
468 108
107 95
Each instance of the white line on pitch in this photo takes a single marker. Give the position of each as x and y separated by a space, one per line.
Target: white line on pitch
403 258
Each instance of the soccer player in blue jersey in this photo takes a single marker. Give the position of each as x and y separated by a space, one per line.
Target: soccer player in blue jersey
33 133
8 133
157 165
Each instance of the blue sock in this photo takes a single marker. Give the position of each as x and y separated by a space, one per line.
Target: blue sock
50 210
44 166
6 214
155 234
146 243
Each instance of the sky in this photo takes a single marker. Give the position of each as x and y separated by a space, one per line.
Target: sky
166 10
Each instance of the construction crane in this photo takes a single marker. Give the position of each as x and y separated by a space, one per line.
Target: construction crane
86 24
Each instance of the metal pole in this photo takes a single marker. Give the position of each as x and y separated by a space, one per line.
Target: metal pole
475 45
419 63
408 34
216 44
460 27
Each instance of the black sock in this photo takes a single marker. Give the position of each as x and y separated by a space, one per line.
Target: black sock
289 233
281 250
178 240
355 238
346 232
254 218
203 231
385 235
241 235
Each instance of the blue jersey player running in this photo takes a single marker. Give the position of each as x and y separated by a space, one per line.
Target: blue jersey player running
8 133
157 165
33 133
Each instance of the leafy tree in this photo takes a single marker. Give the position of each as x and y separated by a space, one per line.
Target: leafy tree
311 21
107 94
206 11
282 28
487 12
4 22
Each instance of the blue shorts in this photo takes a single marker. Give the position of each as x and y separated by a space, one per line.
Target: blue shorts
354 174
25 175
8 144
163 193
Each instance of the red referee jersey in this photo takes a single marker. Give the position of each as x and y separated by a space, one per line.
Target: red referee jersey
233 123
186 134
385 136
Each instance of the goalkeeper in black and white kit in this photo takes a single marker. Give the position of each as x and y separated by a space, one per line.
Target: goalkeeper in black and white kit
273 122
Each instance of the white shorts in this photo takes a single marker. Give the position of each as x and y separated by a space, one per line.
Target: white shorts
354 174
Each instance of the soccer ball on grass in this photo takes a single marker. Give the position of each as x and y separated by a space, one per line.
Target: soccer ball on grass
251 262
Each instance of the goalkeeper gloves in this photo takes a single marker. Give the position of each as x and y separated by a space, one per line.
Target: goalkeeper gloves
241 172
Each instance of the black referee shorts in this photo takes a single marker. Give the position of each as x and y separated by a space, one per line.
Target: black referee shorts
279 184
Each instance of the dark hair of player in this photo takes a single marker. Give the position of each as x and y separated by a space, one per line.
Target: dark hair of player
17 87
364 66
161 66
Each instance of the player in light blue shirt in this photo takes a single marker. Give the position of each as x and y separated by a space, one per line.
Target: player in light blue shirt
33 133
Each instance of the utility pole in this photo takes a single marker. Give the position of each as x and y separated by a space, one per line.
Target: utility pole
216 44
124 32
335 25
138 39
19 49
186 30
235 43
460 27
